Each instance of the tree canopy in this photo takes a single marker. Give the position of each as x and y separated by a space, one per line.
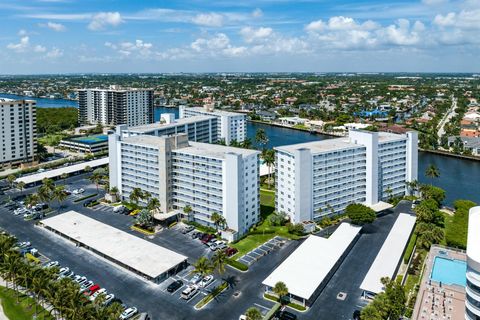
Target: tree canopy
360 214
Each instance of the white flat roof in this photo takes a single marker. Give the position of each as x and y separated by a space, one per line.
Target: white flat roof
386 262
214 150
321 146
306 268
59 171
380 206
473 240
143 256
160 125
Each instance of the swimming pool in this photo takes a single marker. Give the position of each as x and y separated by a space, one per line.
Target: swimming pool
449 271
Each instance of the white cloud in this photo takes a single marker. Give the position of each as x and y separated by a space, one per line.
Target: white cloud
257 13
39 48
58 27
54 53
250 34
465 19
21 46
208 19
103 19
22 32
434 2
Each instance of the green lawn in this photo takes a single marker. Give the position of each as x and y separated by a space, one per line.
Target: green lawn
51 139
264 231
22 311
456 226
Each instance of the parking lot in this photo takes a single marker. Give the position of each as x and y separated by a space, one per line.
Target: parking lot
262 250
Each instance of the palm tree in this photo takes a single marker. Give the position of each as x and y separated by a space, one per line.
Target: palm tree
218 261
261 138
253 314
153 204
432 171
281 290
269 160
59 194
44 194
216 219
21 185
246 144
136 195
48 184
412 186
32 200
96 177
11 179
202 266
87 169
188 211
114 191
389 193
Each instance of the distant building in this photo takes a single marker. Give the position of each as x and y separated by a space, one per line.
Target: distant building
469 143
207 177
86 144
115 106
321 178
231 125
18 136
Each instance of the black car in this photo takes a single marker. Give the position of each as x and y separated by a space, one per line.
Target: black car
174 286
284 315
88 203
356 315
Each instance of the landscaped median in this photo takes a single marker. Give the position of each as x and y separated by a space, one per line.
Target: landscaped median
237 265
292 305
24 310
85 198
141 230
209 297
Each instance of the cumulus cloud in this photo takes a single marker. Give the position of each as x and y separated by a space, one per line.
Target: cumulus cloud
39 48
58 27
54 53
250 34
257 13
103 19
208 19
20 46
218 44
464 19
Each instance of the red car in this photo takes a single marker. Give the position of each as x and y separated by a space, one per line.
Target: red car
92 290
207 238
230 251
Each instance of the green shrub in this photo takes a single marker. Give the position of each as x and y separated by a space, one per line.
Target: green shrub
296 228
292 305
215 292
201 227
457 228
237 265
86 197
409 250
360 214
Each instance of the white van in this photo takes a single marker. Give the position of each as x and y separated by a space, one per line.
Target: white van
119 209
189 292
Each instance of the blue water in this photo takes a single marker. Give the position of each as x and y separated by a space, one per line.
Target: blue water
92 139
43 102
449 271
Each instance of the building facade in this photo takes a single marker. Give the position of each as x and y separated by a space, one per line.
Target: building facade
206 177
115 106
321 178
472 301
18 135
197 128
231 125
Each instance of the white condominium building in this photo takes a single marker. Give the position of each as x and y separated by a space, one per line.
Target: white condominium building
207 177
18 135
115 106
231 125
472 301
197 128
322 178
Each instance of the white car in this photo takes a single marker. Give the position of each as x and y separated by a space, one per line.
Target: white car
196 278
213 245
128 313
189 292
97 293
20 211
108 298
63 270
84 287
206 281
221 245
24 244
52 264
81 190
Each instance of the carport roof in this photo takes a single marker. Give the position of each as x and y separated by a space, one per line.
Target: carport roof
140 255
306 268
388 258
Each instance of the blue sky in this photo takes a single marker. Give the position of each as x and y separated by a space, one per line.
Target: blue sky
75 36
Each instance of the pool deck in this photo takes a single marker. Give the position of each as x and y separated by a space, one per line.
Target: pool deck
437 301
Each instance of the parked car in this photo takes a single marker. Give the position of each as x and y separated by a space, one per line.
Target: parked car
41 206
52 264
108 299
128 313
119 209
213 245
174 286
356 315
221 245
196 278
206 281
24 244
92 290
64 270
230 251
187 229
206 238
88 202
189 292
86 286
195 234
284 315
144 316
97 293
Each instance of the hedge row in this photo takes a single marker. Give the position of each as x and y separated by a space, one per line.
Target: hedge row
237 265
86 197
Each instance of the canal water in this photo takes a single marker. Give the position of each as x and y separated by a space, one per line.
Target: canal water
459 177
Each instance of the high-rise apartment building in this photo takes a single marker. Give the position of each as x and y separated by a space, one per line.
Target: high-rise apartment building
472 301
197 128
207 177
115 106
321 178
231 125
18 135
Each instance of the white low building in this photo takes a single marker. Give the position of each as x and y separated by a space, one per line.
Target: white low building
321 178
230 126
309 268
390 255
206 177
